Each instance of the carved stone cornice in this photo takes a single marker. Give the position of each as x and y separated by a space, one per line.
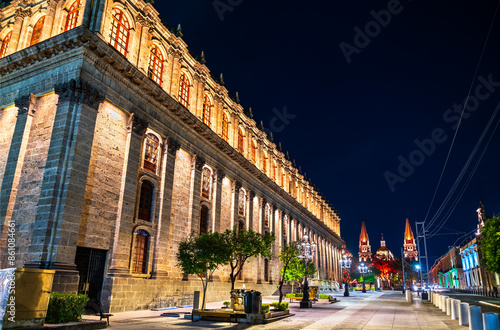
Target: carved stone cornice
199 163
173 145
23 13
144 21
26 104
79 91
220 175
139 125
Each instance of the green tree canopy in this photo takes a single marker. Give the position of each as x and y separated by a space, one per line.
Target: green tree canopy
490 244
289 253
242 244
201 255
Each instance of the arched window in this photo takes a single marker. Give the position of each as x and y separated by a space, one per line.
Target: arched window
207 110
151 153
267 216
253 154
266 270
155 70
206 183
37 31
146 201
204 219
184 90
120 31
73 13
140 264
241 149
225 127
264 163
241 202
5 44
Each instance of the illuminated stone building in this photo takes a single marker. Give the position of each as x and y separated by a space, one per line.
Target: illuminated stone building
410 248
116 143
365 251
383 252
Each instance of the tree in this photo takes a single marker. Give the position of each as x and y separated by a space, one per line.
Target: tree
490 244
201 255
289 252
296 270
242 244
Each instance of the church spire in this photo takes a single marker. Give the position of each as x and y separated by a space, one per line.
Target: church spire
365 252
409 245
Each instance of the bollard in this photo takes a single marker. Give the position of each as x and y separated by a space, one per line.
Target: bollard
455 304
463 314
448 306
475 318
443 304
490 321
429 297
409 297
438 299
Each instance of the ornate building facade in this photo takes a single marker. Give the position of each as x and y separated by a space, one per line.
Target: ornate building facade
116 144
410 248
383 252
365 251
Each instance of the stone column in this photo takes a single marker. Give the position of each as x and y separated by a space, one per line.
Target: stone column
250 196
48 24
218 199
20 24
199 96
15 161
235 191
199 162
93 15
143 27
57 221
175 74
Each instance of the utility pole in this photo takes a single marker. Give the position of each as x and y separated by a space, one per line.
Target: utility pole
403 262
421 234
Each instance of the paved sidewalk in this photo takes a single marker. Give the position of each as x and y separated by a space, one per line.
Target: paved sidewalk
372 310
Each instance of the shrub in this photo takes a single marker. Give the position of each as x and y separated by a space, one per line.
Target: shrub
290 295
65 307
226 302
265 308
299 295
280 307
324 296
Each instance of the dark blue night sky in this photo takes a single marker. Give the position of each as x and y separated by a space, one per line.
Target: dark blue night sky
356 122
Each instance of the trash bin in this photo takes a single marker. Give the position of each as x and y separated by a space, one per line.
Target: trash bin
425 295
256 302
248 301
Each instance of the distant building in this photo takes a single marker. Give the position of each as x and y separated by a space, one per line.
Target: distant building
365 252
410 248
447 271
384 253
476 276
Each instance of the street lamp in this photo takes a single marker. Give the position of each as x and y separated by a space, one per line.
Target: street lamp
345 264
306 253
418 278
363 269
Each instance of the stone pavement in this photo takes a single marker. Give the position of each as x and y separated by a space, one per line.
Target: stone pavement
371 310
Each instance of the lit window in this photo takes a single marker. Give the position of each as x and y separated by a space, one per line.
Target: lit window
254 152
206 110
225 127
155 70
119 31
205 186
73 13
204 219
240 141
140 264
151 153
5 44
146 201
37 31
184 90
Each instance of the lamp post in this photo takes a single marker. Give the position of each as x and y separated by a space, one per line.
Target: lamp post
306 253
418 279
345 264
363 269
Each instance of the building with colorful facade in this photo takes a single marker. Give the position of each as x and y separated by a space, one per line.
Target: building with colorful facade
365 251
410 248
447 271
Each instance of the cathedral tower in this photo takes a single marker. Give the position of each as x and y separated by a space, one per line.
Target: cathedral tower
409 243
365 252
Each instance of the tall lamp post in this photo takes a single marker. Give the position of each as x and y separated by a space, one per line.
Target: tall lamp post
363 269
306 253
345 264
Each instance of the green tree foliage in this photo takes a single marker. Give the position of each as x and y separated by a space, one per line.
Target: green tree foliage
289 252
490 244
242 244
296 270
201 255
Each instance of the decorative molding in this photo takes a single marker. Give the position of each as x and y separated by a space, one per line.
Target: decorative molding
220 175
23 13
26 104
139 125
199 162
173 145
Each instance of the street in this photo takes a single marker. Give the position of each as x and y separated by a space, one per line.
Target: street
371 310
